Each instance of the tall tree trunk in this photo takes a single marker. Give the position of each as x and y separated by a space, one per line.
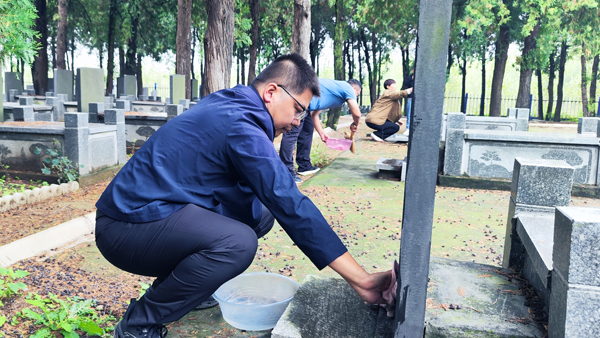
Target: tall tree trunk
301 29
449 63
61 46
584 97
73 53
101 55
367 60
373 84
193 52
182 59
463 72
121 61
593 83
360 74
561 80
502 43
527 61
52 50
333 115
254 13
405 61
551 74
538 73
39 69
218 46
243 61
482 99
138 73
130 56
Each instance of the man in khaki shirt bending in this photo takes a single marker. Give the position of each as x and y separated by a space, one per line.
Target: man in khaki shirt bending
386 112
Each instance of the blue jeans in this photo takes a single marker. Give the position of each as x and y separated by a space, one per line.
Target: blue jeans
408 109
302 135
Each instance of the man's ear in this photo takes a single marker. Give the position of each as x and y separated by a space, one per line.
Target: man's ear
268 92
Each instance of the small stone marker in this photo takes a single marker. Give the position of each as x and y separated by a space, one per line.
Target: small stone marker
174 110
26 101
96 108
23 113
195 89
588 125
392 168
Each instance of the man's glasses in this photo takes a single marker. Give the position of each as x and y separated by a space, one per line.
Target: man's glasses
302 114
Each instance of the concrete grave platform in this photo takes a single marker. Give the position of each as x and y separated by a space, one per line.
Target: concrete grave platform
490 307
391 168
397 138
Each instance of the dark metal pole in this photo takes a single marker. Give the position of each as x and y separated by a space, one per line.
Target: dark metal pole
421 176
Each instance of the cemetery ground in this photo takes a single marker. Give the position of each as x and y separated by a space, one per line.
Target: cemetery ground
365 211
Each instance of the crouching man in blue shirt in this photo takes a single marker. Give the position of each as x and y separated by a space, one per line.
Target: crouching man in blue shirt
189 207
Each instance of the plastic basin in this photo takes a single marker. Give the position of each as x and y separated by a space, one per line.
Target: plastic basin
255 301
339 143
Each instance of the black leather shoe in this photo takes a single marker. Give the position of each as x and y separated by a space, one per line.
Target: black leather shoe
210 302
122 330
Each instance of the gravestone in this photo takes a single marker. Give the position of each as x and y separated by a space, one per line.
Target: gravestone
575 279
123 104
177 88
127 85
195 89
90 87
50 85
12 95
63 83
145 91
77 133
453 146
422 161
185 103
13 80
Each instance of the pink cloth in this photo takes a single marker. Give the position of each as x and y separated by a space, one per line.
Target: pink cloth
390 294
339 143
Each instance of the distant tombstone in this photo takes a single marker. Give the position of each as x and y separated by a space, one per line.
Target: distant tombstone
13 80
50 85
145 91
177 87
26 101
174 110
127 85
49 94
58 107
63 83
96 108
185 103
587 125
90 87
124 104
12 95
195 89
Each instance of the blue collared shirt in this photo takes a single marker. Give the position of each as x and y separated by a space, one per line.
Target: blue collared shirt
219 155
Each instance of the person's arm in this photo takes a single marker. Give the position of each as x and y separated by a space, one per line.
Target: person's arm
369 286
355 111
400 94
315 115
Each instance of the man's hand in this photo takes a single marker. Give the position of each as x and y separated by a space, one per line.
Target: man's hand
324 137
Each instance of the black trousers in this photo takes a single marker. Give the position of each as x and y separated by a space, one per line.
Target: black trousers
385 130
191 253
303 136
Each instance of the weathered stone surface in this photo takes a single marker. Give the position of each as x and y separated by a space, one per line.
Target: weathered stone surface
573 311
117 117
127 85
90 87
96 108
536 232
329 307
26 101
23 113
63 83
398 138
195 89
455 139
577 239
124 104
77 134
542 182
487 302
174 110
587 125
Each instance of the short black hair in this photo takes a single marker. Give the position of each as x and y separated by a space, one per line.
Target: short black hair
355 82
388 83
291 71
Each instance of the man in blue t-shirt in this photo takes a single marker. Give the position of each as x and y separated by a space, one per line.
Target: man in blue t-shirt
333 94
189 206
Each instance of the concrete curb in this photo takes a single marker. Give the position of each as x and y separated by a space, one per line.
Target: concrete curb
35 195
46 240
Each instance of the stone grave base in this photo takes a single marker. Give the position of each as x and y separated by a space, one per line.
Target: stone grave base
397 138
490 306
391 168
